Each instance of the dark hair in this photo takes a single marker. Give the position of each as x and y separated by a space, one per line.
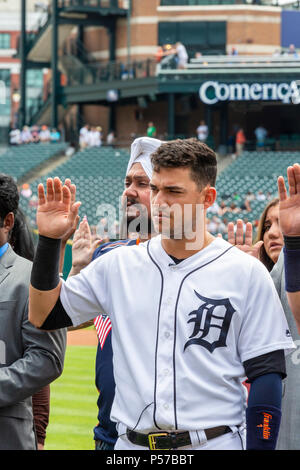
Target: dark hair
9 196
190 153
264 258
21 238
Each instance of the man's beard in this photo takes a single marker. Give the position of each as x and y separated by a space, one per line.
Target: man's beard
143 226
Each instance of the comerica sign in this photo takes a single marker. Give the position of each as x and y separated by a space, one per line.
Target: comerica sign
211 92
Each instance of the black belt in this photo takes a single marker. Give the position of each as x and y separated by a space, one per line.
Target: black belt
171 440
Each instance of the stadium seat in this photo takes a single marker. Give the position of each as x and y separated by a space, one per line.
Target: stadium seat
17 161
99 177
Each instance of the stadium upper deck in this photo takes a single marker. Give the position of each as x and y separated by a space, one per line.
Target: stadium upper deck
108 64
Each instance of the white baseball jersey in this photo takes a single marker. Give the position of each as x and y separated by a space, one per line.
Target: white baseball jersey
180 332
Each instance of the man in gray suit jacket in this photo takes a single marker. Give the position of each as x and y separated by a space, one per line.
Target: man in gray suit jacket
29 358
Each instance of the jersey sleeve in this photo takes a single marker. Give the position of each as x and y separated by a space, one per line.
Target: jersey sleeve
85 295
264 327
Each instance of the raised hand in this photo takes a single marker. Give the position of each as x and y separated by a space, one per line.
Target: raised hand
83 246
72 229
243 243
289 205
56 213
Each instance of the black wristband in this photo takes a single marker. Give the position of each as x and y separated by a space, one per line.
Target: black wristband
292 243
45 268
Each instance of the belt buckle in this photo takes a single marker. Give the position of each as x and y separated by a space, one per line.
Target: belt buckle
152 440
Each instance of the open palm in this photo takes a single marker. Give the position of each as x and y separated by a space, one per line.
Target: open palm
83 246
56 212
289 205
243 242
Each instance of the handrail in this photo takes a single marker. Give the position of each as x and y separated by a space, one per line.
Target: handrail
93 73
115 4
208 59
35 109
227 62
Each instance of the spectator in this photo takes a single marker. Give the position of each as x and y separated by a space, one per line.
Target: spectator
35 134
159 54
292 51
15 136
240 141
223 225
202 131
45 135
234 208
247 202
182 55
111 138
213 225
83 136
260 196
236 197
223 208
169 59
26 191
214 209
54 136
26 137
260 134
99 130
94 137
151 130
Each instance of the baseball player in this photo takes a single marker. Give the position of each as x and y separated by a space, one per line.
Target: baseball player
188 324
137 192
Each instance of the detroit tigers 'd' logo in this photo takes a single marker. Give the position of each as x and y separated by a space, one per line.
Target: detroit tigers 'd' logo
207 322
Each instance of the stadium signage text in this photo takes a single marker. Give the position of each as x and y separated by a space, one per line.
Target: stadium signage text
211 92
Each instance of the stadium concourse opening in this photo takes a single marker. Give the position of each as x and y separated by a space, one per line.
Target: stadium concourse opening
228 102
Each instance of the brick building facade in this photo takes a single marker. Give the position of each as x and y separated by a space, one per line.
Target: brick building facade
250 29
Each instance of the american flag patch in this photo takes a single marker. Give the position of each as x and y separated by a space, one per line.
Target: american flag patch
103 326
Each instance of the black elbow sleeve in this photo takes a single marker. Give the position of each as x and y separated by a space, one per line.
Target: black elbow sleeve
45 268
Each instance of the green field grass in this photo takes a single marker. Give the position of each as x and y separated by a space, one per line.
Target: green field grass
73 402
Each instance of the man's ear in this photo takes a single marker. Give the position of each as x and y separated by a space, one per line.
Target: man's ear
9 221
210 196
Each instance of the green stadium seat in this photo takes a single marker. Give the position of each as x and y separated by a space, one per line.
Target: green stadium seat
21 160
98 176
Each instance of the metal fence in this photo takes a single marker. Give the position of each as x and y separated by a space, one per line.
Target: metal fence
91 3
90 74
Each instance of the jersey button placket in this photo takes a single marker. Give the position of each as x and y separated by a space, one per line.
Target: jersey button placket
165 373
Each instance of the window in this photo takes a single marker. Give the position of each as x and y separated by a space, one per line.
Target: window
4 41
34 78
5 106
207 37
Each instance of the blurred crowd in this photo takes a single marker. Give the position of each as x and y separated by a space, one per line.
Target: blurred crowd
219 214
34 135
92 136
